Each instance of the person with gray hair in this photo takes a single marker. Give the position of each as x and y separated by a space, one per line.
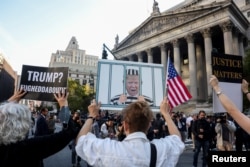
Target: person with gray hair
18 150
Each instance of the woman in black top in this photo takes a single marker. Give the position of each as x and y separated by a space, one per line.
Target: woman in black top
15 148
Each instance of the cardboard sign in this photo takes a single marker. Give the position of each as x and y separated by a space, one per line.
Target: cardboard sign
42 82
227 68
121 82
229 71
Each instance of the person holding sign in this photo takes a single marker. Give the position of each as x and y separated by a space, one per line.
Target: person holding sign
18 150
230 107
137 118
132 90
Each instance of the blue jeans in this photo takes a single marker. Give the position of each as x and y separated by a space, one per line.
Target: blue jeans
205 147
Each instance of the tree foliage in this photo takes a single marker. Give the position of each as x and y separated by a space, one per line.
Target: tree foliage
79 96
246 76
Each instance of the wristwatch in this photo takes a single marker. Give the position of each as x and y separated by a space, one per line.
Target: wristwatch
91 118
219 93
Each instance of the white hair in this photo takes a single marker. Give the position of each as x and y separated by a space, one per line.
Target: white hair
15 121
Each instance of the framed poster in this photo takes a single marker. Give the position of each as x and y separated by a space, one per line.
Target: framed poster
121 82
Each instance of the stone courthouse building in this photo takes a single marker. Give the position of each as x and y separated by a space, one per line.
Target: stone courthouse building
82 66
188 32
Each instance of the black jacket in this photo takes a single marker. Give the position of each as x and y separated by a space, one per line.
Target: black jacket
30 152
42 127
202 124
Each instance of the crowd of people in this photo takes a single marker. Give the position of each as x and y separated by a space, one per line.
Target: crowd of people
135 137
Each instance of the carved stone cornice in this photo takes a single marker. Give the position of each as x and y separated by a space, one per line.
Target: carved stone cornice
175 43
149 52
159 24
190 38
163 46
206 33
227 26
169 27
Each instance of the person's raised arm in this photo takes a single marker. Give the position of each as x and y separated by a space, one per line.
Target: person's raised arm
64 114
229 106
16 97
93 109
62 98
165 109
244 88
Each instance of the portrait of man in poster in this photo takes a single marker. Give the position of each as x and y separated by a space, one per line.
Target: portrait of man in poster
132 83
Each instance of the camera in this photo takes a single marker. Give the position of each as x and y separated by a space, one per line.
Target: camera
221 118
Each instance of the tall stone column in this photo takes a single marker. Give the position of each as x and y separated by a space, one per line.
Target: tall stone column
201 72
192 66
163 56
177 61
130 58
208 49
228 37
241 45
150 55
236 47
140 59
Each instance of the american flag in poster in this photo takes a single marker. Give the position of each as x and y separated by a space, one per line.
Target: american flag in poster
177 91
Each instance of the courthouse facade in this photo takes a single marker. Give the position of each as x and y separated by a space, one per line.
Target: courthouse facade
188 33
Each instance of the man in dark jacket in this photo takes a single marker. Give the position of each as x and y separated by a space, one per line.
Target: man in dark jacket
202 132
158 127
42 127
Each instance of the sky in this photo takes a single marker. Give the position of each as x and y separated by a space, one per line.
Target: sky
31 30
